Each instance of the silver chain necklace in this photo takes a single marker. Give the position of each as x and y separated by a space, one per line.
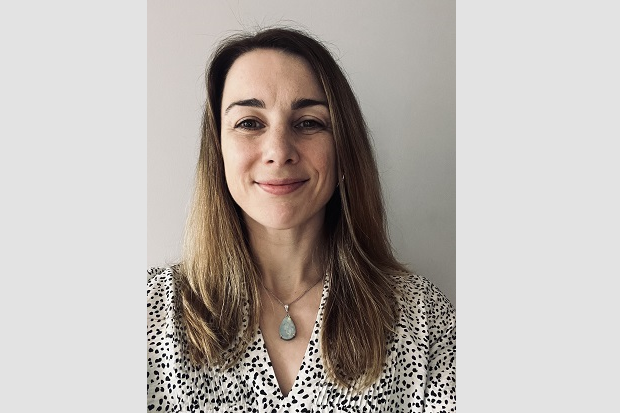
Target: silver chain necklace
287 326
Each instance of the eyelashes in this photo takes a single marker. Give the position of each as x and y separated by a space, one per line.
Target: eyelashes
309 124
249 124
303 126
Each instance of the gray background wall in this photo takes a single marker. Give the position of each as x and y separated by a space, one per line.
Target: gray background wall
401 59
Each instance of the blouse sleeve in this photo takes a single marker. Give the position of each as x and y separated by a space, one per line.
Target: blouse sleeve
428 341
162 342
440 393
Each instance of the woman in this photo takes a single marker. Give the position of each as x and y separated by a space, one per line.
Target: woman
288 297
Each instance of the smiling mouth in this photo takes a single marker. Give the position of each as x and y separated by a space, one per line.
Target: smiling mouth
281 186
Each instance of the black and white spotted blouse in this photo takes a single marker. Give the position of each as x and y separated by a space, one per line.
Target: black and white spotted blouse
419 374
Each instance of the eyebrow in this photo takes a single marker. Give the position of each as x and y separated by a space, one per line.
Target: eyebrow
257 103
304 103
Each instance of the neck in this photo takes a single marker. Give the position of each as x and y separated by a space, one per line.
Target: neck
289 260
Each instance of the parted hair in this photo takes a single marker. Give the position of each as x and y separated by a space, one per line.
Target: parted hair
219 276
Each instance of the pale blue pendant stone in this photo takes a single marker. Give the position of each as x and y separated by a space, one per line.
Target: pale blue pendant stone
287 328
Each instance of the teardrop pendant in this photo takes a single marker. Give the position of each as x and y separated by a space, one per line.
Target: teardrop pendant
287 328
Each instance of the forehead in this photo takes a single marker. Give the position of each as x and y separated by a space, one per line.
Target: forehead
271 74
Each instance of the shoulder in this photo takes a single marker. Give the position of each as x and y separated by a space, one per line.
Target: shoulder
160 279
161 289
415 287
418 297
156 274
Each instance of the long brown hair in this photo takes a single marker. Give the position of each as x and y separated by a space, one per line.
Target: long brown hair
220 296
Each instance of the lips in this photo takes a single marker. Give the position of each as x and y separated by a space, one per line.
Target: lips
281 186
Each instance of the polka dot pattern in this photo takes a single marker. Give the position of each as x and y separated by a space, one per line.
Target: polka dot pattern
419 374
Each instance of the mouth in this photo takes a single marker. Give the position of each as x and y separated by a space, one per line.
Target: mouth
281 186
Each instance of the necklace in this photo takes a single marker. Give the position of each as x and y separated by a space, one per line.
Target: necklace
287 326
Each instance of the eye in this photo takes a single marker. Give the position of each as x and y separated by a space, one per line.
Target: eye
249 124
309 125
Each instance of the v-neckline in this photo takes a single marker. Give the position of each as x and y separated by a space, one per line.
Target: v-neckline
312 343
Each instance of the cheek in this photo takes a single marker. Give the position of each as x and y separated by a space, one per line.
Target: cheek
327 163
237 162
231 162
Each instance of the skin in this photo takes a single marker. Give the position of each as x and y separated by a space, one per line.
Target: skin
280 163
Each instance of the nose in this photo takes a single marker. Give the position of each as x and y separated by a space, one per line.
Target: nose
279 146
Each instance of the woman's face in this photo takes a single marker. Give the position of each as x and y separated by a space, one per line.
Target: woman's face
277 143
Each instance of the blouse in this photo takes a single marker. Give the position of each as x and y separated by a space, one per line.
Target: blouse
419 373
